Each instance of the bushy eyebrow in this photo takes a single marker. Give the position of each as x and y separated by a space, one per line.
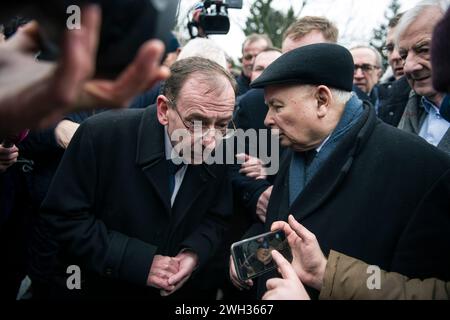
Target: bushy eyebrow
422 43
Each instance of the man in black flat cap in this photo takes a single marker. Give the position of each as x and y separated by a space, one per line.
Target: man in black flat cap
364 188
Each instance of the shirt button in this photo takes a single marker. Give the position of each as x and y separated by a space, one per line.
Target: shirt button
109 272
391 113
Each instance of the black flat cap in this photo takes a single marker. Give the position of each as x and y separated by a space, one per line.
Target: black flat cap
320 64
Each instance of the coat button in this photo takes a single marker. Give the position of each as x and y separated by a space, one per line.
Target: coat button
391 113
109 272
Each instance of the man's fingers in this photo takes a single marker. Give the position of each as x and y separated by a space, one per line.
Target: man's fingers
166 293
273 283
242 157
236 281
91 19
143 72
10 157
160 283
281 225
26 39
286 270
182 273
300 230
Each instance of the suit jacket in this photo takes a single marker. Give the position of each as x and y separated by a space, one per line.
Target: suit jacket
108 208
414 117
381 197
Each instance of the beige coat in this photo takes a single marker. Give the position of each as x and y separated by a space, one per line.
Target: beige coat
346 278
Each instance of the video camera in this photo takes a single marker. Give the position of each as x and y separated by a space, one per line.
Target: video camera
211 17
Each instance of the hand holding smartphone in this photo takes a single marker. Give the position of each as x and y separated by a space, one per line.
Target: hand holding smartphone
252 257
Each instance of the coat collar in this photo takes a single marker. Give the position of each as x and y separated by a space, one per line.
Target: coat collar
150 139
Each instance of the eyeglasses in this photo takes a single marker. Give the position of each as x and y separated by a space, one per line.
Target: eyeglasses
224 131
388 49
366 67
249 56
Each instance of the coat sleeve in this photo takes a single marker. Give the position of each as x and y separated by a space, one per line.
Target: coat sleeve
67 218
346 278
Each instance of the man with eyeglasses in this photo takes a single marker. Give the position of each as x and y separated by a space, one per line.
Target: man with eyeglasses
131 206
252 46
422 113
367 73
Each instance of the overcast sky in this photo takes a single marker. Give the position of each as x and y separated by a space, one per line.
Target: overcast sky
355 18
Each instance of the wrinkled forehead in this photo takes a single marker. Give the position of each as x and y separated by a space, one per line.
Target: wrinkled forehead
267 57
363 55
281 91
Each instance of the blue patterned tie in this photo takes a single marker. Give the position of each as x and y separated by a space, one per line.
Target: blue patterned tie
173 169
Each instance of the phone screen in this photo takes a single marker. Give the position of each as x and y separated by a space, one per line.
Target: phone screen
252 256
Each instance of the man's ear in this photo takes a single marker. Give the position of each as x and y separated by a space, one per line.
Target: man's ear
324 97
162 105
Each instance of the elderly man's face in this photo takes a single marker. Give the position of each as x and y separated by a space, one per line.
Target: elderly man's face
201 100
293 111
251 50
414 48
262 61
367 71
394 59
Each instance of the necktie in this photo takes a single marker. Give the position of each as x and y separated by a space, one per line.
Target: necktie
173 169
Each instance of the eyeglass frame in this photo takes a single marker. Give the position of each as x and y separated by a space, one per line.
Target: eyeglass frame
365 67
191 127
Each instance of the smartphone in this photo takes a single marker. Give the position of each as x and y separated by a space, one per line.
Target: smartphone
252 257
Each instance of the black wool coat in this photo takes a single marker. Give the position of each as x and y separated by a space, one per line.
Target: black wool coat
108 209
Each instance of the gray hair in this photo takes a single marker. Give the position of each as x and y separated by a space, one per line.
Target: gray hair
254 37
204 48
340 96
411 15
378 57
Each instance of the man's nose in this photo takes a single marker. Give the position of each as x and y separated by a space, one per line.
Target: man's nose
411 64
268 121
358 74
209 139
395 56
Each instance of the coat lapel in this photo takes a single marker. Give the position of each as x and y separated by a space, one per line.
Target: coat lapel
444 144
150 154
194 183
335 168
